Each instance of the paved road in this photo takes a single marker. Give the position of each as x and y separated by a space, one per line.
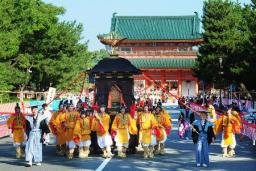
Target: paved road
179 156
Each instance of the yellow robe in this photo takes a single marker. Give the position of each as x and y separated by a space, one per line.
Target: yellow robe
105 120
147 122
70 120
124 124
163 122
228 125
83 129
17 123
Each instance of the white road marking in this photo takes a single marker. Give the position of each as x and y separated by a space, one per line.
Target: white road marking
175 120
103 164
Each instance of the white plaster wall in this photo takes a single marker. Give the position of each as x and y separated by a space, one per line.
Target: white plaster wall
188 88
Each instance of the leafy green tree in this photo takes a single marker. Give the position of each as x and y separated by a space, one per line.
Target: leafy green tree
37 50
248 76
226 36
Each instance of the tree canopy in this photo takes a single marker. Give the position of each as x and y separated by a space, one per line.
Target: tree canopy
37 50
228 34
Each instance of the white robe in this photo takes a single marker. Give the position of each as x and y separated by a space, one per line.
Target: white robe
34 143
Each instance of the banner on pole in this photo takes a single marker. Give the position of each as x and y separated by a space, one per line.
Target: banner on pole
51 95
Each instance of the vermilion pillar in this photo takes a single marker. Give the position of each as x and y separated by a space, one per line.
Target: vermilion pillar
179 87
147 83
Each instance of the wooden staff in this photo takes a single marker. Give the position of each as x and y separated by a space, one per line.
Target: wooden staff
193 129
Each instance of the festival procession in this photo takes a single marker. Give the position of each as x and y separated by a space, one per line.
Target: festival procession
166 88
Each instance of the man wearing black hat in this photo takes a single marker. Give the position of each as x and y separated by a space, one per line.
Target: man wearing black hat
148 125
35 128
82 133
123 125
229 124
164 124
70 120
100 124
17 124
203 135
54 126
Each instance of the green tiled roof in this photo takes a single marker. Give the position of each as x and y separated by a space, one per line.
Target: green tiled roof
163 62
157 27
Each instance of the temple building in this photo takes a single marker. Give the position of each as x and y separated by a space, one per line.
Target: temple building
164 48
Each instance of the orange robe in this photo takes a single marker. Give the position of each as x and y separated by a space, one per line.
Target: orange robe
56 127
123 124
167 116
52 123
17 123
163 123
229 125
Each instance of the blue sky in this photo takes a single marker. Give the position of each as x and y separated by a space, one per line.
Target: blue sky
95 15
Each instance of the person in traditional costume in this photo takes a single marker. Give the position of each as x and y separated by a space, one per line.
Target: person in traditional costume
48 115
212 114
228 124
56 129
101 123
17 124
133 142
148 131
59 127
95 149
46 112
35 128
70 120
82 133
122 126
164 124
202 135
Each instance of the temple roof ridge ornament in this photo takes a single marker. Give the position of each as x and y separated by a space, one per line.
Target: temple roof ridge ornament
112 39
